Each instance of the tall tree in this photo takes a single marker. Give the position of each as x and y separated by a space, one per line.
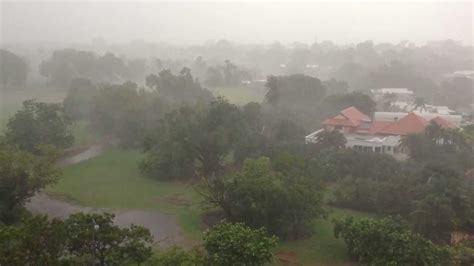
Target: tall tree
188 140
22 174
179 89
13 71
283 202
39 123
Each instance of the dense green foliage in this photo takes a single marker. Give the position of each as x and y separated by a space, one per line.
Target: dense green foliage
237 244
227 75
126 112
81 239
286 202
443 204
387 242
294 91
22 175
68 64
189 140
37 124
179 89
452 146
330 140
178 256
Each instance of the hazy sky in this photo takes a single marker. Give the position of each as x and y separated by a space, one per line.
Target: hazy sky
198 21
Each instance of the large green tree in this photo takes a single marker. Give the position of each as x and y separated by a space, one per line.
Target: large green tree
39 123
94 237
22 174
283 202
179 89
443 203
189 140
81 239
68 64
34 241
126 112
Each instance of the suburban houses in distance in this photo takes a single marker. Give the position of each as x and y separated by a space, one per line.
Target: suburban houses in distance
383 132
403 99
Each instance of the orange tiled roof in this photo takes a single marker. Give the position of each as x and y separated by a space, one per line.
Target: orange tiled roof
409 124
348 117
378 126
443 122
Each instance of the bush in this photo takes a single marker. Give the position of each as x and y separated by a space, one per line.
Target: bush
236 244
283 202
81 239
37 124
178 256
388 242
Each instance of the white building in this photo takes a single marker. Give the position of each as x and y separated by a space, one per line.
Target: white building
383 133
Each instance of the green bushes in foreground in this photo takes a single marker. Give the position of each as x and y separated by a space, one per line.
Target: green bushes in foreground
388 242
227 244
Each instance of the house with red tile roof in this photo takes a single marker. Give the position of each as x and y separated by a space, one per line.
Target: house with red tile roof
364 133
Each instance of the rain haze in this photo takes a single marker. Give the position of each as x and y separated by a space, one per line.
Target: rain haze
216 133
246 22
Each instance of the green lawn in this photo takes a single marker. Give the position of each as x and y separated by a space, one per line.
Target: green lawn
241 95
322 248
113 180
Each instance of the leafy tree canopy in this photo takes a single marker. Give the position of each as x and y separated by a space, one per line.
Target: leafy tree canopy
39 123
237 244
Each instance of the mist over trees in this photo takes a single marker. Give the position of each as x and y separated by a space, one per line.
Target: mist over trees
13 71
246 160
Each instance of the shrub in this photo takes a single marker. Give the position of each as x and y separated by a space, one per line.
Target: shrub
236 244
388 242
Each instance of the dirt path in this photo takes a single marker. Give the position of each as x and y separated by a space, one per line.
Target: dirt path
164 227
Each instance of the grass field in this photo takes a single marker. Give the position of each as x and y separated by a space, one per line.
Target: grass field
113 180
322 248
241 95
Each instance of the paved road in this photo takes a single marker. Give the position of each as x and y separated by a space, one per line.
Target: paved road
164 227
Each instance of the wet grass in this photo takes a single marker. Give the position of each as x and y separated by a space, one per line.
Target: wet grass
113 180
241 95
322 248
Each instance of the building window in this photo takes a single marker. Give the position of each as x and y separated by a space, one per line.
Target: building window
389 148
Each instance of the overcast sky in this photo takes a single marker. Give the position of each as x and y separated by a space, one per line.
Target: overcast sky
195 22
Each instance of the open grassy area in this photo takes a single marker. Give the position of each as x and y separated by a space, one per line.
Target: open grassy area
241 95
113 180
322 248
